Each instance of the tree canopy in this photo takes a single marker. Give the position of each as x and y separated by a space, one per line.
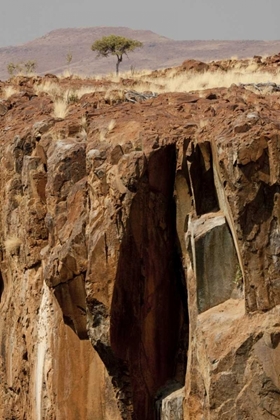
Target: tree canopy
115 45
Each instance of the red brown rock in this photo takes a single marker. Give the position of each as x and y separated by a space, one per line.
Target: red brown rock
140 263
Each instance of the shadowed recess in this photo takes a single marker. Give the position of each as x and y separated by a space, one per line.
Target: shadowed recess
201 172
1 286
147 316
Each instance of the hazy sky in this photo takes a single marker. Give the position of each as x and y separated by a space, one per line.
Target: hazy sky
24 20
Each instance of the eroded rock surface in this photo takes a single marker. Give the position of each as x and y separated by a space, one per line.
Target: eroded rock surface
140 253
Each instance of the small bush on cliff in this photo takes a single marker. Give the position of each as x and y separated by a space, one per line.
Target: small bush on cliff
9 91
115 45
60 108
12 244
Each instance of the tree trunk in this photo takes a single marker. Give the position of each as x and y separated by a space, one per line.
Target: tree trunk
118 63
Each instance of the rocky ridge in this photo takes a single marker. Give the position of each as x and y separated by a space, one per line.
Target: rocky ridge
139 274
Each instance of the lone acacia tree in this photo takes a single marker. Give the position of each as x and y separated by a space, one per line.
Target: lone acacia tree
115 45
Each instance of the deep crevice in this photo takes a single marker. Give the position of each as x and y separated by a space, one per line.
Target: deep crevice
1 285
202 179
149 320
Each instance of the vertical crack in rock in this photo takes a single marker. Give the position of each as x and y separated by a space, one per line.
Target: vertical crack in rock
1 286
147 312
202 178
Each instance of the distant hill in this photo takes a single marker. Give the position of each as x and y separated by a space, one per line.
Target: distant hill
50 51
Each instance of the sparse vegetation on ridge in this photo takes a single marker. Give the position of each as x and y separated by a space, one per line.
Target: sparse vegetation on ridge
26 68
112 89
176 80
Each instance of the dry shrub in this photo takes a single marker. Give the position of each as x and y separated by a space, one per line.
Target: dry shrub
114 96
111 125
73 95
65 74
9 91
102 134
18 198
57 135
105 130
12 244
84 90
51 88
82 134
113 77
60 108
84 122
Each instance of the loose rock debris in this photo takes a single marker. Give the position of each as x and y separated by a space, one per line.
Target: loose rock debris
133 96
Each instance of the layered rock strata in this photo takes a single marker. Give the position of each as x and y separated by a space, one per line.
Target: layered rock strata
140 258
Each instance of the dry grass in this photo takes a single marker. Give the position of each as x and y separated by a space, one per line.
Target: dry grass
78 93
243 71
111 125
9 91
252 67
56 92
130 74
84 122
51 88
60 108
102 134
104 131
83 134
18 198
69 73
12 244
66 73
187 82
57 135
169 80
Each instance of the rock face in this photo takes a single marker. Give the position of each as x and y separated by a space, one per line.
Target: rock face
140 259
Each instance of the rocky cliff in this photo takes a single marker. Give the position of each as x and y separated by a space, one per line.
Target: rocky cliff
139 274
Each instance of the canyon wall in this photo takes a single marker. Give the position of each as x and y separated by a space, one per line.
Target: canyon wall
139 274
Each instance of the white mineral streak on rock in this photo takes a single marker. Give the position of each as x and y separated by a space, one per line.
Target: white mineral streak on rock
44 330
